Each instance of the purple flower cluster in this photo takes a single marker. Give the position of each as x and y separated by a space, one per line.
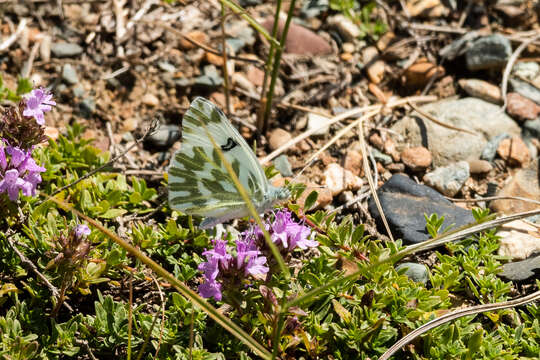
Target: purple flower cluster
39 101
18 171
224 270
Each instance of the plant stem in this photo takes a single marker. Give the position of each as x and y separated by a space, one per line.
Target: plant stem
225 69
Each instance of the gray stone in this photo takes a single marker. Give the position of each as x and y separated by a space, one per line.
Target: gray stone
166 66
313 8
488 52
448 180
235 44
525 89
532 128
211 77
65 49
416 272
87 107
283 165
490 150
78 91
526 70
446 145
404 203
521 271
69 74
380 157
459 46
163 137
345 27
315 121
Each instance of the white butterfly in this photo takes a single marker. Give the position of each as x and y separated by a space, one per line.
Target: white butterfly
199 183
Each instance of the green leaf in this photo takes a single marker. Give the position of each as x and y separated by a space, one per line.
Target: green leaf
113 213
310 200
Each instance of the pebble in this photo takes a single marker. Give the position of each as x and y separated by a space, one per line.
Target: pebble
449 146
64 49
380 157
391 149
348 47
396 167
514 151
374 67
518 240
87 107
69 75
353 162
338 179
316 121
150 100
255 75
130 124
416 272
421 72
490 150
521 271
282 164
404 203
300 40
346 28
242 81
78 91
324 198
477 166
376 140
45 48
278 137
521 108
481 89
525 89
532 128
527 70
51 132
448 180
164 137
488 52
524 183
211 77
416 158
196 35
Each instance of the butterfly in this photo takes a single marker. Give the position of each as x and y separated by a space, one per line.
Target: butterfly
199 183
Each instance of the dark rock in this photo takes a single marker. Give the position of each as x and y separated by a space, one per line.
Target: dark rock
521 270
163 137
283 165
488 52
416 272
405 202
87 107
65 49
532 128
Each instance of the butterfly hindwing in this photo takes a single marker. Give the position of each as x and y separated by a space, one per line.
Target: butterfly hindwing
198 181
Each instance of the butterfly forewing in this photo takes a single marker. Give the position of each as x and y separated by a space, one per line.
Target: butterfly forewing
198 181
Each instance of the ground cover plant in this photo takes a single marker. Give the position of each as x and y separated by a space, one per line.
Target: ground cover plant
97 264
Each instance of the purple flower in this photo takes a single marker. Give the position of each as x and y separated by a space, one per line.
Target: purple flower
211 289
38 102
11 183
81 231
255 266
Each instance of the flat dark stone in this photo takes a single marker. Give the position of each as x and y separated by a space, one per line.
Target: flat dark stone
405 202
521 270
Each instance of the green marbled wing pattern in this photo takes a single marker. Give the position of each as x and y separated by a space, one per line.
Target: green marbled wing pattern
198 181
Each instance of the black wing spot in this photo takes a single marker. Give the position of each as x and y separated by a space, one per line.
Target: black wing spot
229 145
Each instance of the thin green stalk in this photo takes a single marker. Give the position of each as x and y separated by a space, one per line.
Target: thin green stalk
237 9
276 65
261 124
225 69
182 288
130 316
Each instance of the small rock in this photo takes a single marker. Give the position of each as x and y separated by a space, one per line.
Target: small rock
376 140
277 138
416 158
396 167
65 49
374 67
448 180
166 66
51 132
380 157
316 121
488 52
524 183
532 128
211 77
391 149
348 47
490 150
404 202
520 271
525 89
150 100
255 75
300 40
345 27
481 89
214 59
45 48
353 162
416 272
421 72
196 35
518 240
521 108
78 91
427 8
87 107
514 151
325 196
243 82
527 70
282 164
163 137
479 166
219 99
338 179
130 124
69 75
